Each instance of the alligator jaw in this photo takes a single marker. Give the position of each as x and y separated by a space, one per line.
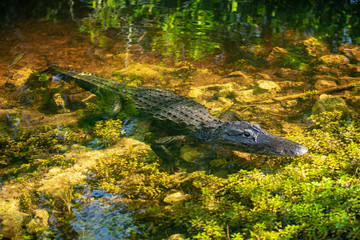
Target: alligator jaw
246 137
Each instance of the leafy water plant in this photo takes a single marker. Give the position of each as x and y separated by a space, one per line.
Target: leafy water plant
312 196
310 94
28 145
29 156
39 93
109 132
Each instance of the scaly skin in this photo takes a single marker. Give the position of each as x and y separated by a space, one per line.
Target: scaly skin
188 117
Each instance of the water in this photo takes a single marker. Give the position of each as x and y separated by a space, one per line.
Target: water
188 30
215 51
101 216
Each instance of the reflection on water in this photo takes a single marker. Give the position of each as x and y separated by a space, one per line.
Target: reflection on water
194 29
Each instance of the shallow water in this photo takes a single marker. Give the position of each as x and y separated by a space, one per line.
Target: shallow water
211 34
175 45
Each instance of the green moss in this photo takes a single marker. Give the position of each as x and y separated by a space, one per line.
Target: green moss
27 145
109 132
107 106
185 72
313 196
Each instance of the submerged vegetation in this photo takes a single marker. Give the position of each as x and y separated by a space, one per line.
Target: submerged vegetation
312 196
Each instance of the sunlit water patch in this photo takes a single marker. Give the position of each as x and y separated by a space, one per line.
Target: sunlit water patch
101 215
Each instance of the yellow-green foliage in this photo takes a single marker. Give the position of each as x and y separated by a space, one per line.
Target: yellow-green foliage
315 196
137 174
27 157
109 132
28 144
36 145
11 220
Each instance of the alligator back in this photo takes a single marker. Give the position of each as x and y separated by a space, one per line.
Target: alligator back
168 106
159 104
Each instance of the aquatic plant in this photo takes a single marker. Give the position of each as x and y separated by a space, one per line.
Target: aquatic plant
313 196
39 93
28 145
109 132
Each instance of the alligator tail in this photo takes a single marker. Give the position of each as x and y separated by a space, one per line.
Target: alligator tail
87 81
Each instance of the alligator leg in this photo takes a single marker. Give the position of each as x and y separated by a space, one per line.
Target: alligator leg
161 148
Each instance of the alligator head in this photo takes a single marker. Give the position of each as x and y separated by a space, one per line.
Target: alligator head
246 137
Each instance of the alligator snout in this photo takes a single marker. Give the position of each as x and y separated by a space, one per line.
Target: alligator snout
298 150
284 147
245 137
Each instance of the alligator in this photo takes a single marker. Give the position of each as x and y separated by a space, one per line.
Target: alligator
183 115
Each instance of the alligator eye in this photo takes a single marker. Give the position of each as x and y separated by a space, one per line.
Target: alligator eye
247 134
